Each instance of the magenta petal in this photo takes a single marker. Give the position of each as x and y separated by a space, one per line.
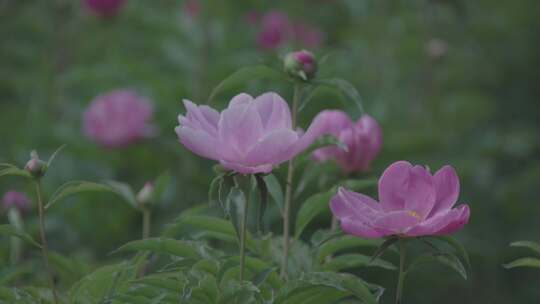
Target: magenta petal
274 111
272 148
446 187
393 179
198 141
445 222
337 121
358 228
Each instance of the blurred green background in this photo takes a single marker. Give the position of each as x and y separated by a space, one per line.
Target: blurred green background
450 81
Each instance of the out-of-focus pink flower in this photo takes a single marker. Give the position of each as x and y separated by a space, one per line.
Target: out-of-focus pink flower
275 30
363 140
307 35
105 8
249 136
192 8
412 203
253 17
118 118
17 200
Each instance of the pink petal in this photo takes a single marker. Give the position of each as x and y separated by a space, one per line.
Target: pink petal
239 128
404 187
240 99
355 205
395 222
361 229
200 117
198 142
447 189
272 148
243 169
274 111
445 222
318 127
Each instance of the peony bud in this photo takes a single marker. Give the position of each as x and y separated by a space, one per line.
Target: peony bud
35 166
17 200
146 194
301 64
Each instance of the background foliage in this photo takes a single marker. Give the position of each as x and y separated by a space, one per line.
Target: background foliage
474 106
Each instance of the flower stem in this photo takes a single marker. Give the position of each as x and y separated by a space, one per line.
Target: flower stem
288 192
401 277
243 233
146 222
44 246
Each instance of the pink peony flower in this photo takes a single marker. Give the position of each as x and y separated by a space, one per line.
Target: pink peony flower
275 30
249 136
105 8
192 8
118 118
17 200
363 140
412 203
307 35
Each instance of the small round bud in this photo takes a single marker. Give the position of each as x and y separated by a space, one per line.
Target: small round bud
35 166
146 194
436 48
301 64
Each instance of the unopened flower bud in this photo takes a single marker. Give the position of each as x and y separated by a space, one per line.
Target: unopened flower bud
35 166
301 64
436 48
146 194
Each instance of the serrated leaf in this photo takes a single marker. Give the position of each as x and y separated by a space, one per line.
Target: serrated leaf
345 88
348 261
527 244
345 242
523 262
75 187
163 245
275 190
244 75
310 209
9 230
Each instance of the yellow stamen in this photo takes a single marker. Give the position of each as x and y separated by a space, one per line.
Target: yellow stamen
413 213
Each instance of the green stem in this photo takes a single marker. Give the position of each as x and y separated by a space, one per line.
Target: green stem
243 233
288 192
44 246
146 222
401 278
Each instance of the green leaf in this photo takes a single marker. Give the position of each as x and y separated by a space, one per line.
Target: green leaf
75 187
460 250
262 202
70 270
53 156
124 191
9 230
236 200
348 261
260 277
12 170
359 184
161 183
215 184
345 242
527 244
523 262
165 246
447 259
275 191
244 75
310 209
383 247
207 226
345 88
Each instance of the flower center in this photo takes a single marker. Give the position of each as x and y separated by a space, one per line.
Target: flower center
415 214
